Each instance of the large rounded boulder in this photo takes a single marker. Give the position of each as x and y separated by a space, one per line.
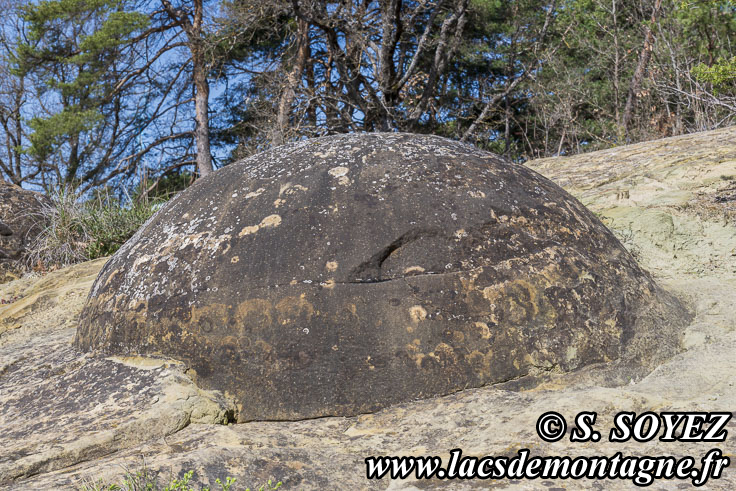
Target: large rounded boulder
21 213
340 275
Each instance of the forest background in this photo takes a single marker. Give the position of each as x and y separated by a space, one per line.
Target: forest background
149 95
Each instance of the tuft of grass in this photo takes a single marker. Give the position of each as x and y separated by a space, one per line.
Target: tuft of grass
62 240
109 224
75 229
146 480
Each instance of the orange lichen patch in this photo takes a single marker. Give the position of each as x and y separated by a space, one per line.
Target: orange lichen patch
112 276
445 354
483 330
293 310
417 313
520 300
289 188
254 314
253 194
269 221
415 354
209 317
338 171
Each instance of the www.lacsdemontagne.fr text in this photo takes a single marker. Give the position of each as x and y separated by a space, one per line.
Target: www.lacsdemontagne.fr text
641 470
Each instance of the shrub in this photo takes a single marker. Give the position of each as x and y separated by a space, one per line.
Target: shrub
109 225
145 480
76 230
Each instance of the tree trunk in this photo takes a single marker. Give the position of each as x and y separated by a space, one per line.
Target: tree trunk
201 116
193 29
293 79
641 67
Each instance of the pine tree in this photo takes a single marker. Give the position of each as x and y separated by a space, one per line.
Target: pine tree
74 54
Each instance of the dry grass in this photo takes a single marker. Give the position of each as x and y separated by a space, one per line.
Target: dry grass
76 230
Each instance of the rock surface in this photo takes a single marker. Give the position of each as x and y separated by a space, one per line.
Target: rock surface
341 275
58 406
19 218
693 256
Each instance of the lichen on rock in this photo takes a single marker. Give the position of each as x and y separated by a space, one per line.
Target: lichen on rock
19 224
341 275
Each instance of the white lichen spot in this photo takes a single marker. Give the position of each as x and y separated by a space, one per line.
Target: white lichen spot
331 152
414 269
235 259
278 202
331 266
338 171
477 194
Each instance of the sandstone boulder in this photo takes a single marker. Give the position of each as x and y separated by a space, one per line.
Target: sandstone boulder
19 224
341 275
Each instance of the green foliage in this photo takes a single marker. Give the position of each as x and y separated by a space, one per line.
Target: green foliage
76 230
704 22
721 75
115 30
49 133
165 187
72 50
62 240
145 480
269 486
110 223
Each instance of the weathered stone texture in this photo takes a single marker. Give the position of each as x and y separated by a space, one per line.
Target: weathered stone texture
60 407
341 275
19 224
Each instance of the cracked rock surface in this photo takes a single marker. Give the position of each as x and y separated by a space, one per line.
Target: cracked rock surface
342 275
59 407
